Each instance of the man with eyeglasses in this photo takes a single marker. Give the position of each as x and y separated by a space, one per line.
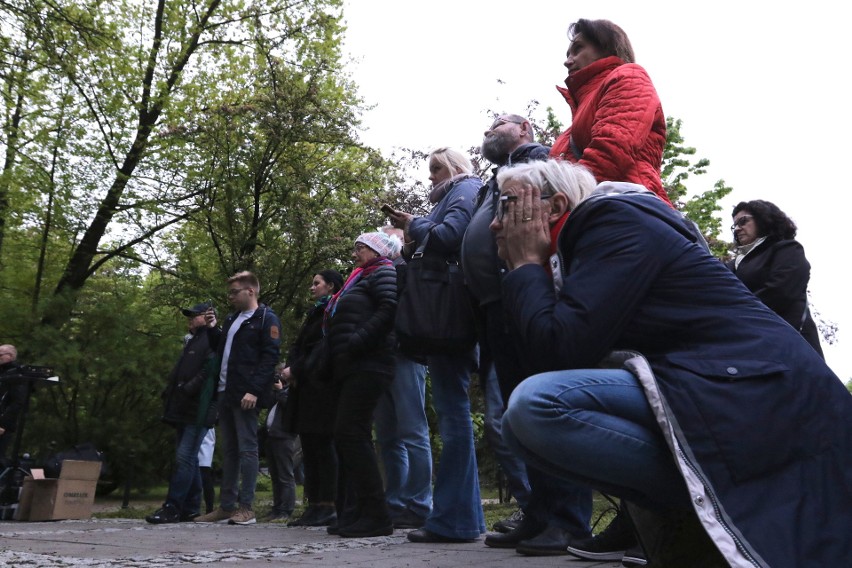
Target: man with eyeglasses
550 510
248 348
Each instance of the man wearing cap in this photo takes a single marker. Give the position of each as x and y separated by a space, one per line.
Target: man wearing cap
188 396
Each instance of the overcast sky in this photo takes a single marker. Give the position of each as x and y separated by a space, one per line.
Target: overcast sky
761 90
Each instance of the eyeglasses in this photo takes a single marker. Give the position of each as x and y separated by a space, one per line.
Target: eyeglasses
741 222
504 201
235 291
359 247
501 121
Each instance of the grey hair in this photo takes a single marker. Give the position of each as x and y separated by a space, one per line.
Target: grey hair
552 176
518 119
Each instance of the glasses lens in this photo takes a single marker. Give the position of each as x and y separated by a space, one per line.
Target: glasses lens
503 205
741 222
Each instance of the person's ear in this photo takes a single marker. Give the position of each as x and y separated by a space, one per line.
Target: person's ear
558 206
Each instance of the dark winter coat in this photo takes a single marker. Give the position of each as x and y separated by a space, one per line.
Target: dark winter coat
777 272
12 396
311 407
361 331
483 269
187 380
254 354
759 426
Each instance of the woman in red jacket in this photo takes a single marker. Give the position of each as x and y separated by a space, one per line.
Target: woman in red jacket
618 132
618 129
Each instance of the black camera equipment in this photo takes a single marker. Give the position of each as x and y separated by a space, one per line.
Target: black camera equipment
12 478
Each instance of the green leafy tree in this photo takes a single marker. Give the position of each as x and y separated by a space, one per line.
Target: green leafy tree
159 149
702 208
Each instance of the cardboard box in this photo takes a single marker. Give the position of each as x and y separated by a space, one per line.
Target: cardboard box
71 496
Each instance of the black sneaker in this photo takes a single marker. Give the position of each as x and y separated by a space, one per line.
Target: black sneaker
510 523
610 544
634 557
325 515
307 516
366 527
406 519
165 514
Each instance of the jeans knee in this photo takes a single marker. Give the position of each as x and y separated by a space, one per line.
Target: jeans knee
248 455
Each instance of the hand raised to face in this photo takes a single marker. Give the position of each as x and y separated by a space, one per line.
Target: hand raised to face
521 225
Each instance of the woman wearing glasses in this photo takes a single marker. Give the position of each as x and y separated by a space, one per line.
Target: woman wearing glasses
456 505
618 129
772 264
359 322
662 383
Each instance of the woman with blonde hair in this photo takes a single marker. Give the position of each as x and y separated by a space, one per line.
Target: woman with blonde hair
456 507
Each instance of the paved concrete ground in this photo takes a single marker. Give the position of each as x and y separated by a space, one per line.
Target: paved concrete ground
134 543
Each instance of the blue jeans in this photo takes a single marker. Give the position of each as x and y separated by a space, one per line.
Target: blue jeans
513 466
238 438
185 483
403 436
594 427
547 501
457 506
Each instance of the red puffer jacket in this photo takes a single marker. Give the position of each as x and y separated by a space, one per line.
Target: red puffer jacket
618 125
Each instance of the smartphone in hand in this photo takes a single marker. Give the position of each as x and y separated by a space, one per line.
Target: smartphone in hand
387 209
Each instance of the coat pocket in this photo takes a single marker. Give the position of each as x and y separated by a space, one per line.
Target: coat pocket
745 412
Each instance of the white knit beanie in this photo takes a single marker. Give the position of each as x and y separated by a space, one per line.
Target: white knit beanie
386 245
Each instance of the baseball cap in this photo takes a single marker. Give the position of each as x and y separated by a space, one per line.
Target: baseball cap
197 309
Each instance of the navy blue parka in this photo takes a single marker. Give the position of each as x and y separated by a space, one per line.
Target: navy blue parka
254 353
760 427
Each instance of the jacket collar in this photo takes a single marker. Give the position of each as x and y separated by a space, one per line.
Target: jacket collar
587 79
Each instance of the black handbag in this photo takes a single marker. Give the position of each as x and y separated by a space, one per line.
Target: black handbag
435 312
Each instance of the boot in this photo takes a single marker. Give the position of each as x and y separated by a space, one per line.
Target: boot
306 517
674 538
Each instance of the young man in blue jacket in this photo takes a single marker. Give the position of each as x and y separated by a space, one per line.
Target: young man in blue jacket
248 348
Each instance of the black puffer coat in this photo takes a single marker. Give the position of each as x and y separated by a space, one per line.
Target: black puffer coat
361 330
186 381
311 407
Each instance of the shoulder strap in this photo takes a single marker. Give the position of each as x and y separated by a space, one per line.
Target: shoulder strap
421 247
